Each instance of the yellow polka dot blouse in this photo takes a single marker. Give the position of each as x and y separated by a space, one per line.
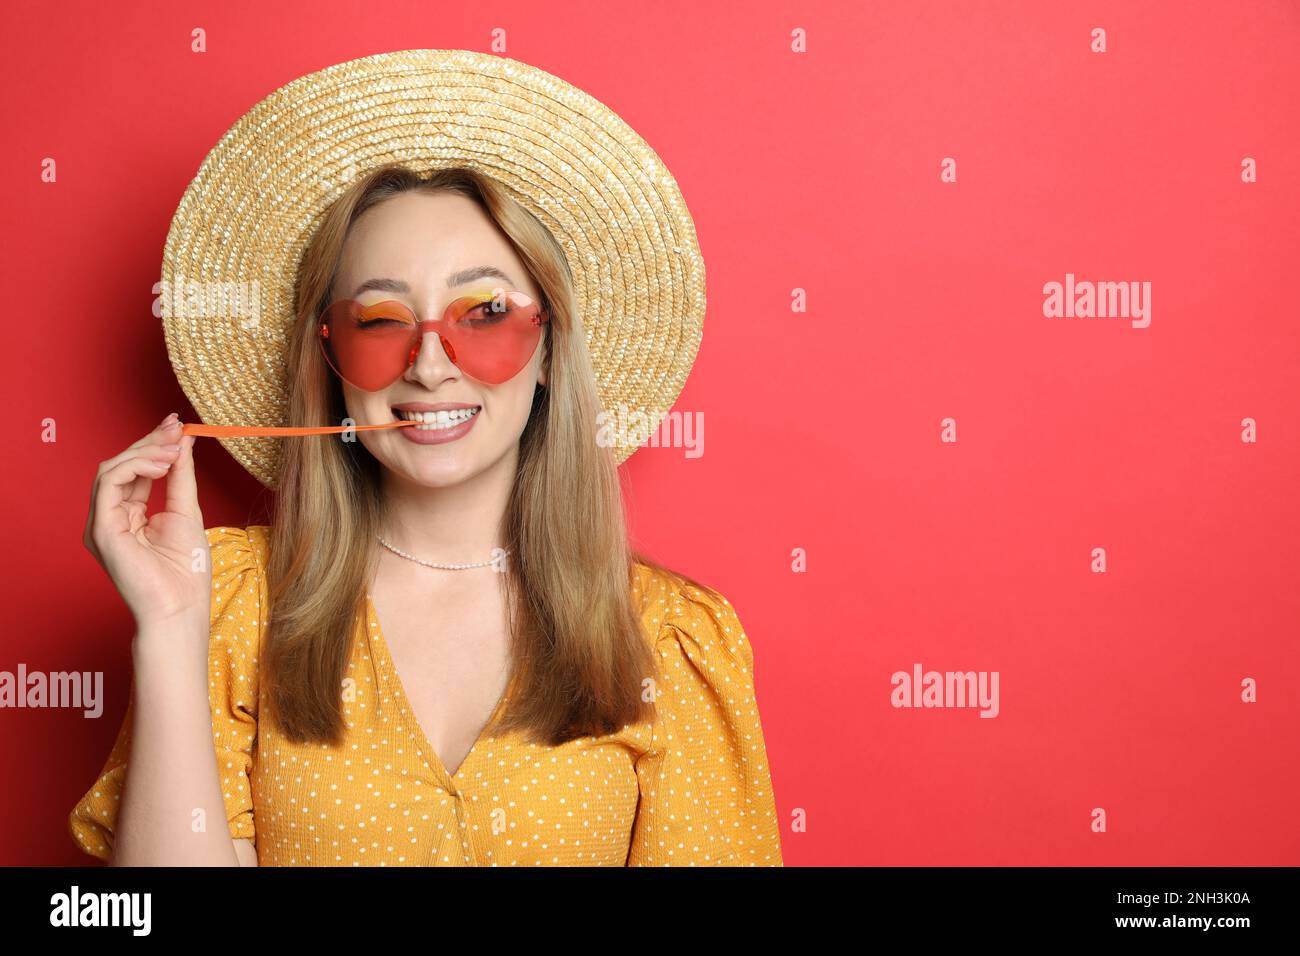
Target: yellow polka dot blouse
691 787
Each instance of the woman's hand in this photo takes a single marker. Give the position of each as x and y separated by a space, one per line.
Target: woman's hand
159 563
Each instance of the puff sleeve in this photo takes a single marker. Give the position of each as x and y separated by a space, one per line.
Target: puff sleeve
238 598
705 789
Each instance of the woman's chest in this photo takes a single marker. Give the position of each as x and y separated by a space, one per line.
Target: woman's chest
376 802
449 670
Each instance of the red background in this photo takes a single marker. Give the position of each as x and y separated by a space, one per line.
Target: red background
817 171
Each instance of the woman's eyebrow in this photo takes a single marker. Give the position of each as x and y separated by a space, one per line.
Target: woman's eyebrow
453 280
476 272
382 285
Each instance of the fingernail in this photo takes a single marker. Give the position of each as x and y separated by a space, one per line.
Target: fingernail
172 427
171 448
170 418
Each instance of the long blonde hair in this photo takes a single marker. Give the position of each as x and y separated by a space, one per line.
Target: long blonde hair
577 645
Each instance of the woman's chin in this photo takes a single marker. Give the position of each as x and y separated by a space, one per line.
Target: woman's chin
433 470
433 466
437 464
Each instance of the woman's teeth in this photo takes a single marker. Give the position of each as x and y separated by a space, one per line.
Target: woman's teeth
433 421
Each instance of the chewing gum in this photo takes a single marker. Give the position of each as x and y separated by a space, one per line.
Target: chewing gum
253 431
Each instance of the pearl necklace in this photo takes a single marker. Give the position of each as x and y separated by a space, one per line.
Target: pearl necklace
445 567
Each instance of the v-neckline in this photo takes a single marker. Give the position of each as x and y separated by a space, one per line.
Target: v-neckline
388 673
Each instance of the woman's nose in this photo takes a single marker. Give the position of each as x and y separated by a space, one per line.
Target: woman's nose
436 357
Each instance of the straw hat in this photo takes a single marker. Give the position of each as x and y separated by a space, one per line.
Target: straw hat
246 218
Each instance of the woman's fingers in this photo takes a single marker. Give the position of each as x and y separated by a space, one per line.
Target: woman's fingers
93 512
182 491
120 485
168 434
165 423
128 490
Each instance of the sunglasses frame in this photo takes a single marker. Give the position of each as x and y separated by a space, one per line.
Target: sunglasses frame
421 327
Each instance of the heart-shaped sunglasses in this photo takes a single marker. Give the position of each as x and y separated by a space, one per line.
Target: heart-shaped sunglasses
490 336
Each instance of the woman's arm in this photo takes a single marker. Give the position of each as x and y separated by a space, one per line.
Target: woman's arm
172 812
705 789
247 852
188 725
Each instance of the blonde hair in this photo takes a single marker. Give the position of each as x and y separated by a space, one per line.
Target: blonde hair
577 644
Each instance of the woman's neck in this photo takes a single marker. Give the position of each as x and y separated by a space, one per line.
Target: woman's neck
456 523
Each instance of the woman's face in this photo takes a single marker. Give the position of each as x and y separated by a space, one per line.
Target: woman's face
430 249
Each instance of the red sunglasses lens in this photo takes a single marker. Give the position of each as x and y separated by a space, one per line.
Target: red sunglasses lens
368 346
493 338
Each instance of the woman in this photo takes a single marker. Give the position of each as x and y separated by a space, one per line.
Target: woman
442 651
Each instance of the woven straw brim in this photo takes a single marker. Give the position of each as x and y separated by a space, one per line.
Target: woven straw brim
245 220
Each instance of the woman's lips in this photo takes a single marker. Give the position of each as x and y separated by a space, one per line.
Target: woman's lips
439 436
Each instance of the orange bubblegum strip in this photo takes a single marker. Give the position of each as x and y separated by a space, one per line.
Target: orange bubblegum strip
254 431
